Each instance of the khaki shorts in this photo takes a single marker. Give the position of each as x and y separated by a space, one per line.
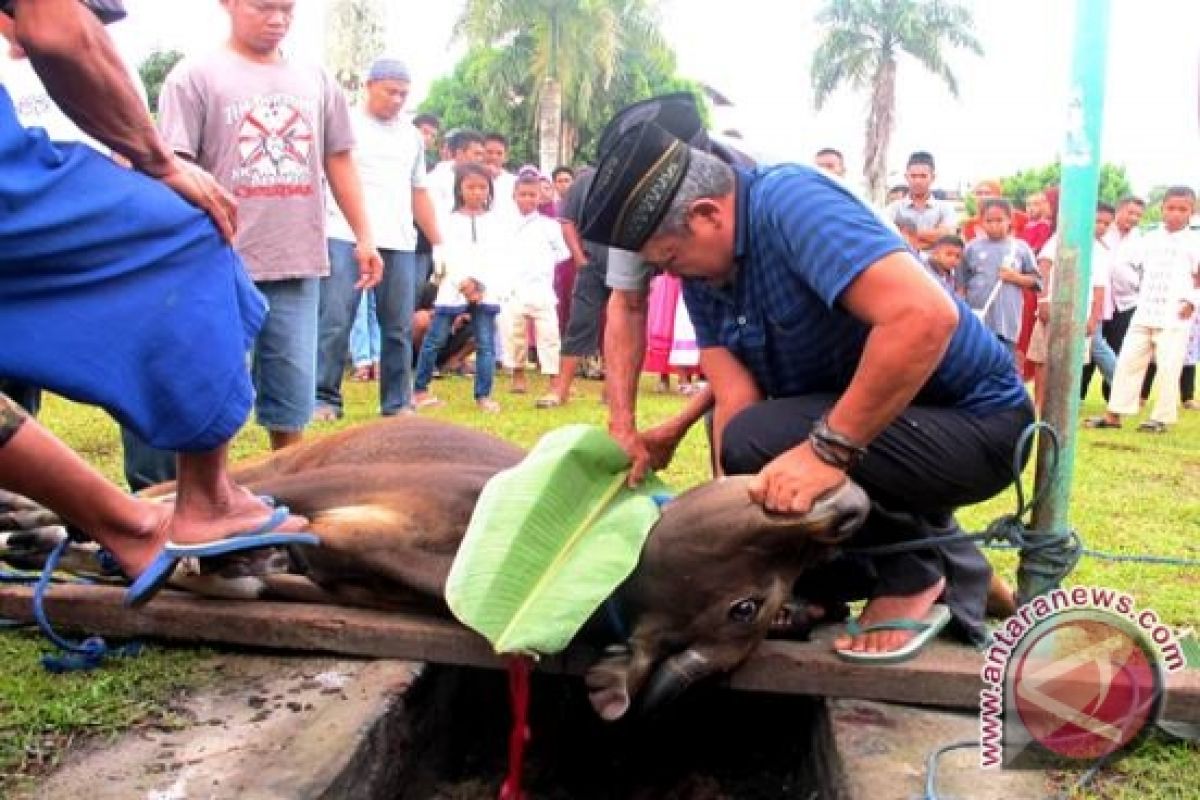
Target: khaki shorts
1038 351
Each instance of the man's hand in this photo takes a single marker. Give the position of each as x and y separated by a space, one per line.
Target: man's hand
370 265
631 442
661 442
1092 324
1009 275
1186 310
438 258
202 190
794 480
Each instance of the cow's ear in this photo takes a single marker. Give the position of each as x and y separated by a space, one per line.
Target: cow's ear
834 516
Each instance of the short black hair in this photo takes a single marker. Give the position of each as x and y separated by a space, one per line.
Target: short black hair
1131 199
493 136
1185 192
1105 208
427 119
920 157
458 140
560 170
950 240
830 151
995 202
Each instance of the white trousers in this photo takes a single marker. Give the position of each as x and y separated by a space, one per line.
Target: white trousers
1167 347
545 329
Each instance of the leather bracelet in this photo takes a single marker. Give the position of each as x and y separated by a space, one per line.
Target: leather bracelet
835 448
828 455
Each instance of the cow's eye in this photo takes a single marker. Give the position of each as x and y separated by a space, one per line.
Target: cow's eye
745 610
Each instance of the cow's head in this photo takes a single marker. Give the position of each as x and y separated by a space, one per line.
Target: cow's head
714 572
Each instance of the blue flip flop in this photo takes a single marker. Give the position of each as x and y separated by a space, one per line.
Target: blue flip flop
926 629
155 576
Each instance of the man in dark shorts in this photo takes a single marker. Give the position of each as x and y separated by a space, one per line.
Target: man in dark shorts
120 292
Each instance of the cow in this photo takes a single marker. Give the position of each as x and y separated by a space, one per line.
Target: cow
392 499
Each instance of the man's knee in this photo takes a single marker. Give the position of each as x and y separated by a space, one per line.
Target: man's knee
742 450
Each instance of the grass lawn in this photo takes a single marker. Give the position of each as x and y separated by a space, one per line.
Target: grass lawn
1133 493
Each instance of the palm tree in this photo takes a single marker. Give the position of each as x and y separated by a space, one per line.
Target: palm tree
863 39
572 49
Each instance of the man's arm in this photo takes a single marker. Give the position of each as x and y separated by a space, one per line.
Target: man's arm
76 60
624 351
911 322
574 243
425 215
734 389
347 192
84 75
945 227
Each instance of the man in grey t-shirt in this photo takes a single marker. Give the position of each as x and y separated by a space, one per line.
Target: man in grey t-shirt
919 215
271 130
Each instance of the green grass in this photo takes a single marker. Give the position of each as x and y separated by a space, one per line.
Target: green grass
1133 493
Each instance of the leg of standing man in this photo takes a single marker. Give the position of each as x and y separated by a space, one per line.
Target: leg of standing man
336 309
395 301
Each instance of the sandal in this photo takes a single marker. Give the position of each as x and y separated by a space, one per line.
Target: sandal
428 401
488 406
1100 422
926 629
1152 426
548 401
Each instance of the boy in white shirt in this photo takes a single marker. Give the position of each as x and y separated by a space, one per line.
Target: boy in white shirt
1169 260
537 245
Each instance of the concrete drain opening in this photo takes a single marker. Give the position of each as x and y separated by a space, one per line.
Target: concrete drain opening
452 745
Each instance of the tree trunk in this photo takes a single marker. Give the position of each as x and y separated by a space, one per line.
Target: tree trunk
550 125
570 142
880 122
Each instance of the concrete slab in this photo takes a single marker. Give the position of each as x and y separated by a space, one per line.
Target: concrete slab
270 729
883 748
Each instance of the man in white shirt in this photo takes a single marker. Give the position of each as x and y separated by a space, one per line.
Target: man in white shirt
464 146
495 154
1168 259
390 154
1125 279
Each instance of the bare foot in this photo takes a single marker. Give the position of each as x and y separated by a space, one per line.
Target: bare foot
883 609
135 549
237 511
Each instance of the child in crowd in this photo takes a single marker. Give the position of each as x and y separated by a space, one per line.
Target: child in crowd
670 337
943 260
1097 349
1169 259
473 241
995 268
536 246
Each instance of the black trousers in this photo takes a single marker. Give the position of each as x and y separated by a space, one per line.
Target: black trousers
926 464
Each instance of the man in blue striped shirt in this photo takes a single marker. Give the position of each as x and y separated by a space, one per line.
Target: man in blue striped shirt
830 351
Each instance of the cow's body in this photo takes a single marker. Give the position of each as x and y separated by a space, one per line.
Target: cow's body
392 499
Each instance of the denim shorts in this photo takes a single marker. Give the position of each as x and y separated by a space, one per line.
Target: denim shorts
284 361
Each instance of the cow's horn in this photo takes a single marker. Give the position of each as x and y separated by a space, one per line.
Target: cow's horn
674 677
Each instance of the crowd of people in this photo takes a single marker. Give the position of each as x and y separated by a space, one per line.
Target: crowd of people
835 340
1001 260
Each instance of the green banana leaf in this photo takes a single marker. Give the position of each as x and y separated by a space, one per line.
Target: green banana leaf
549 541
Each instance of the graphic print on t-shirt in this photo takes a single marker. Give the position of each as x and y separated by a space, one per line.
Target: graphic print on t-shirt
275 146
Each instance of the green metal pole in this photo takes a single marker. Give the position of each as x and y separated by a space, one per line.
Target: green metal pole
1072 272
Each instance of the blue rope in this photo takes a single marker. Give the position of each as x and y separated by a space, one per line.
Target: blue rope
88 654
